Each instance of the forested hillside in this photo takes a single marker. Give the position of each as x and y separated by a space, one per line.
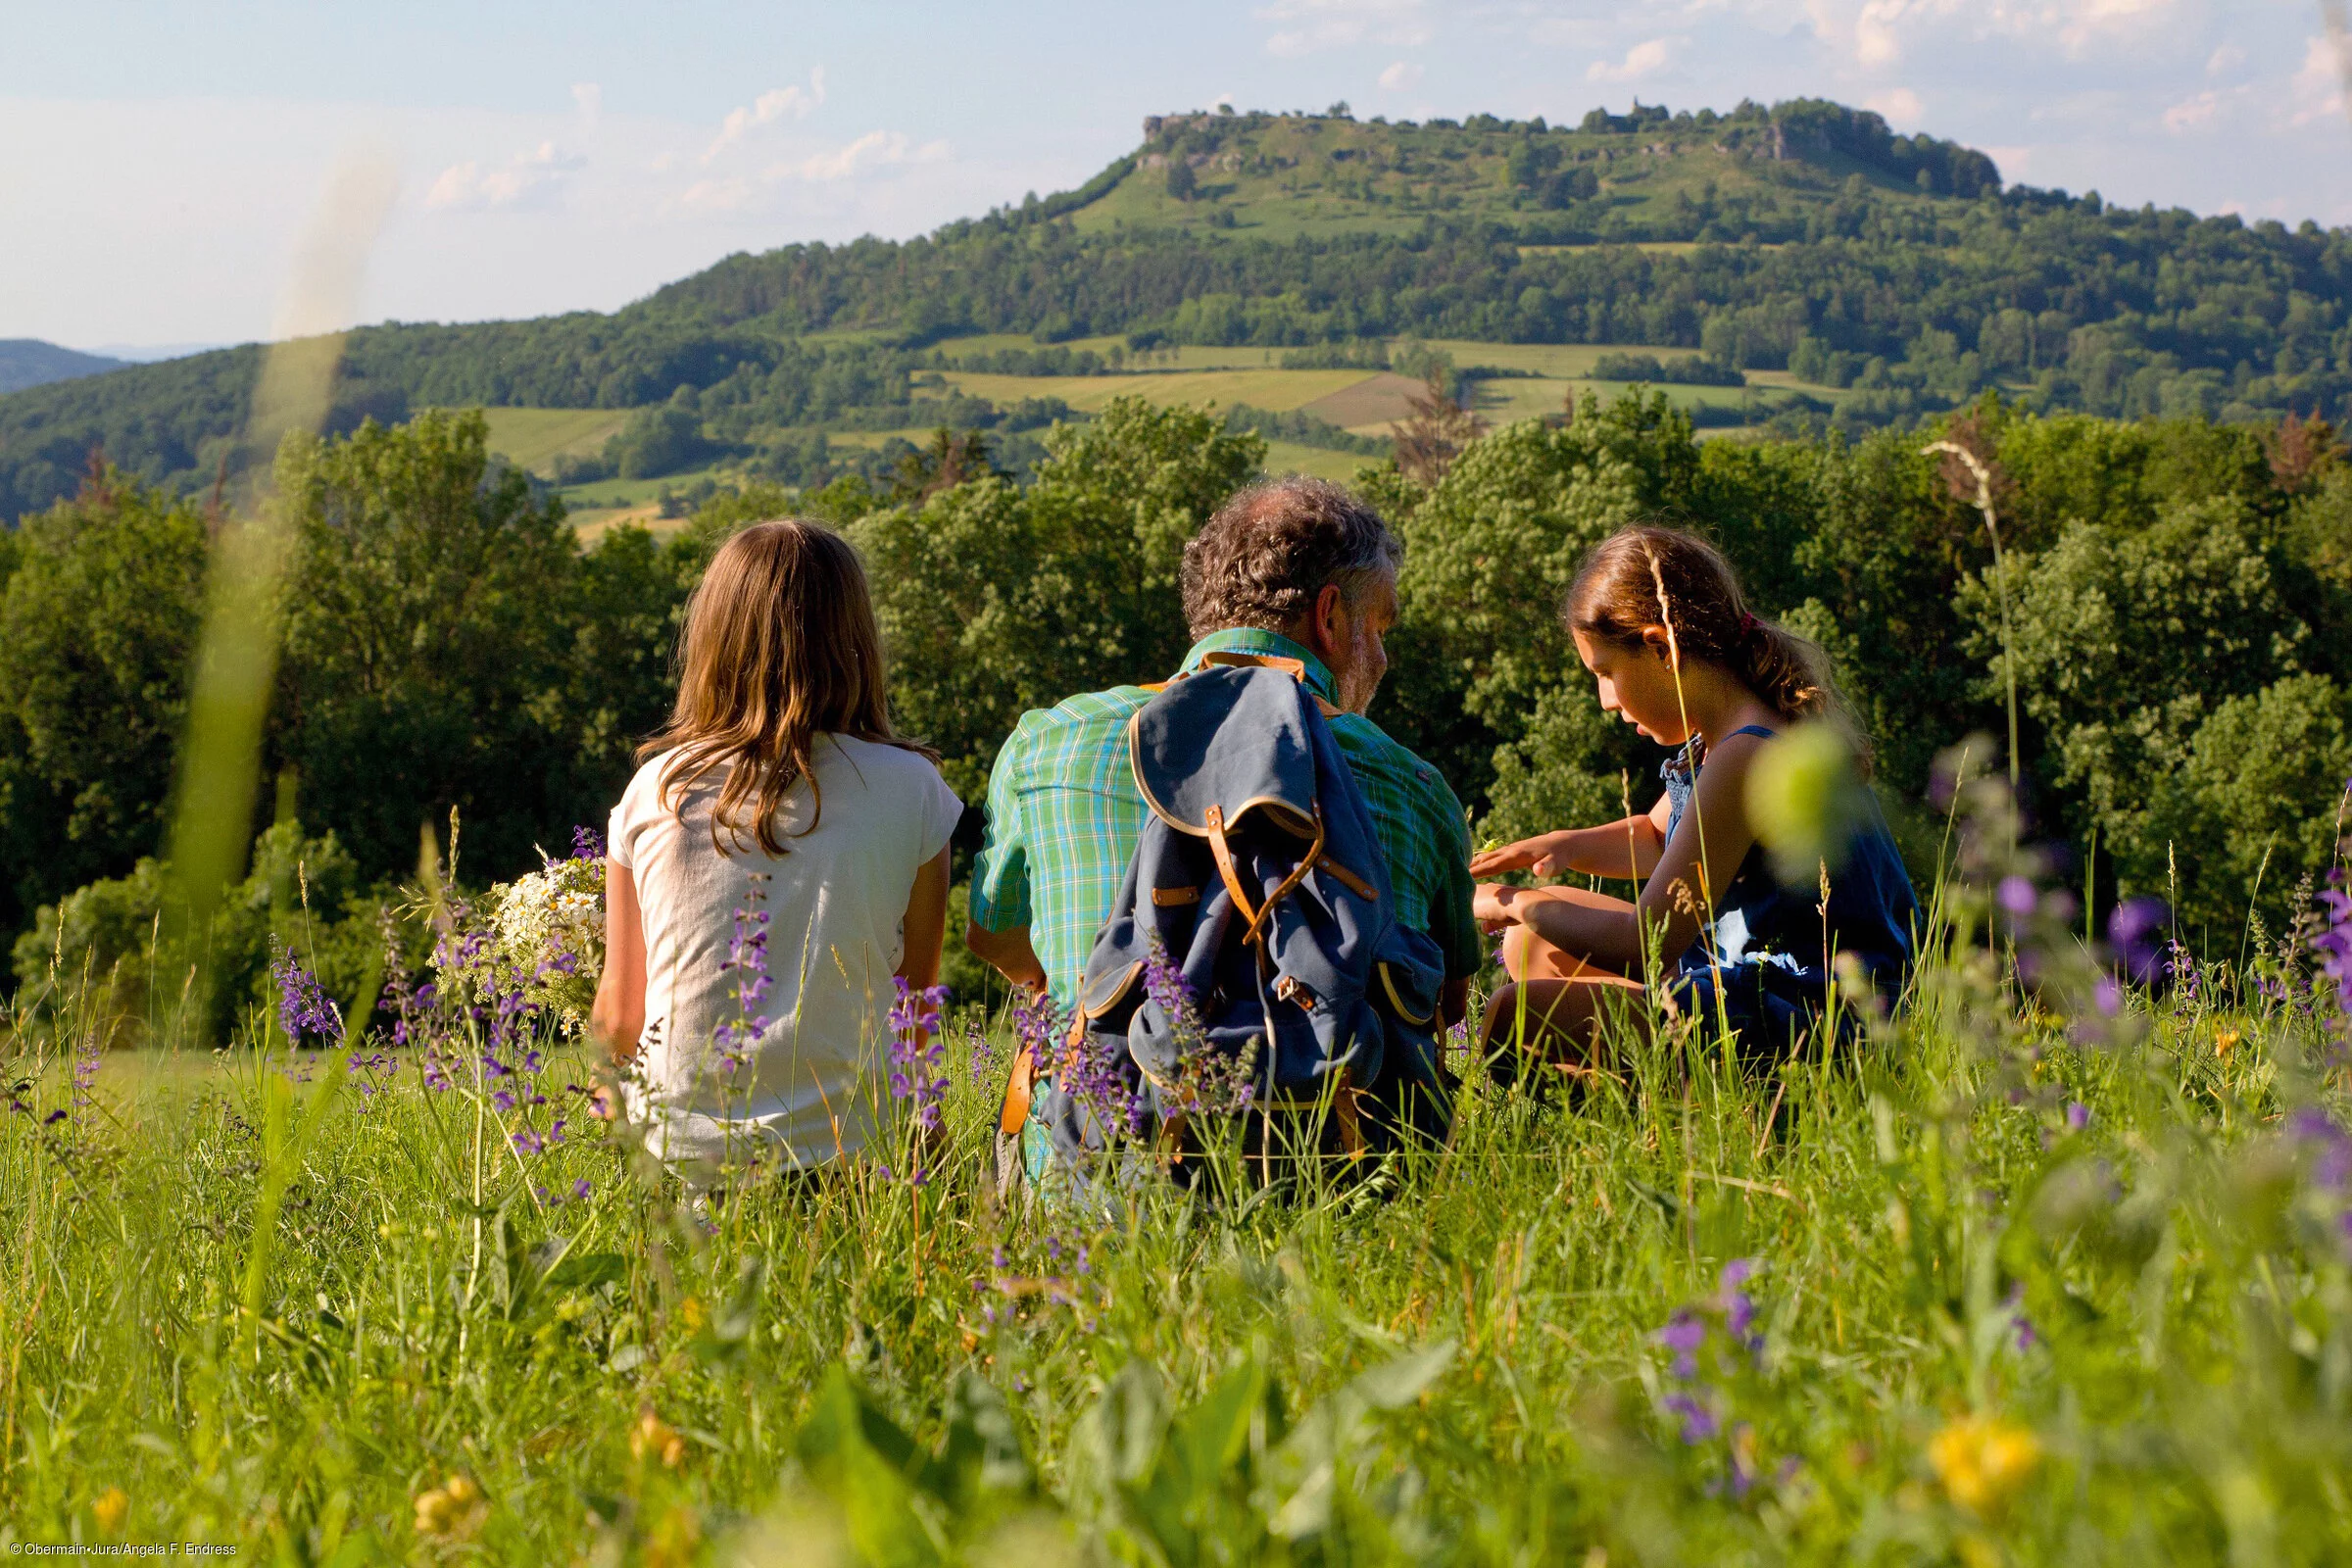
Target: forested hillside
28 361
1892 276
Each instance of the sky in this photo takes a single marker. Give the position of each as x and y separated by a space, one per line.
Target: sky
166 160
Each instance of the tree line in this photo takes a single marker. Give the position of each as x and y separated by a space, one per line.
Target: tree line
2181 625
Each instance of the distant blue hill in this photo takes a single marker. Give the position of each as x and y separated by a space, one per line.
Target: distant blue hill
28 361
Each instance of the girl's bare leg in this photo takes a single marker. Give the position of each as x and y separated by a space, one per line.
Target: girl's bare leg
1561 1027
1528 957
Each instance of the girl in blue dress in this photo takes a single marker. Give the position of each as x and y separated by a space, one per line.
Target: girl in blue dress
1658 619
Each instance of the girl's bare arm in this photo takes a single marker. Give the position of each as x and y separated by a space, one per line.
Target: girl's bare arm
1694 866
926 925
618 1015
1627 849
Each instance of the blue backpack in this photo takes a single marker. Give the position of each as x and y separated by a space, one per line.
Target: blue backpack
1252 966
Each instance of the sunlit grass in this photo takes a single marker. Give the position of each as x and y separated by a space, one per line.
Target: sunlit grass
1933 1238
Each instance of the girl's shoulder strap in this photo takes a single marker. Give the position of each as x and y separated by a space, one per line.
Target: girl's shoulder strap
1753 729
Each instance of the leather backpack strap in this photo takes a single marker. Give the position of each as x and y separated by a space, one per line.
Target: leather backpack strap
1296 668
1282 889
1221 852
1344 1110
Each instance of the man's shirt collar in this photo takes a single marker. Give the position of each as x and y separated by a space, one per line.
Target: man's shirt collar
1270 644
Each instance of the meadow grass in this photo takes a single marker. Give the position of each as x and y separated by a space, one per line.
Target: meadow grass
1962 1287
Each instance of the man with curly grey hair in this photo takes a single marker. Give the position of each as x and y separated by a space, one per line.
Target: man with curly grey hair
1297 573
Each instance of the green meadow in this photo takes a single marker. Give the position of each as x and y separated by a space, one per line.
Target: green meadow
1984 1282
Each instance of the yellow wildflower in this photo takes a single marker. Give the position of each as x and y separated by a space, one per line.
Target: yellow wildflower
2225 1041
452 1509
1982 1459
654 1436
109 1507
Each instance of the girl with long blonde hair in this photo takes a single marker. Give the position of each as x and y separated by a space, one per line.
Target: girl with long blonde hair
779 865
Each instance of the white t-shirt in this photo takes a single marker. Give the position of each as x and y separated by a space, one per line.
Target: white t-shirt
814 1084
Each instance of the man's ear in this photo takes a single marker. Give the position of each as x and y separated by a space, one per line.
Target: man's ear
1328 621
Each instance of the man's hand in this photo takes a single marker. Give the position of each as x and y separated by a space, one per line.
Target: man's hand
1008 953
1545 854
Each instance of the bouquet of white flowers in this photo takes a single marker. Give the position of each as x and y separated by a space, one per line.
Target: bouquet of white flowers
543 943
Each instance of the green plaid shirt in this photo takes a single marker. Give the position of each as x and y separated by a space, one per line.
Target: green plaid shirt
1063 818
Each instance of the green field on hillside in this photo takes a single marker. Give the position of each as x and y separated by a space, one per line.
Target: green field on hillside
1539 383
533 438
1276 390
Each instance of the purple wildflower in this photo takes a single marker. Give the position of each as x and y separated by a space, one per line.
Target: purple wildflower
587 844
2135 928
1699 1422
916 1056
85 1072
2333 944
1038 1026
303 1006
2331 1163
1684 1334
1739 1307
1206 1078
2015 895
528 1142
581 1189
2078 1115
747 957
2023 1325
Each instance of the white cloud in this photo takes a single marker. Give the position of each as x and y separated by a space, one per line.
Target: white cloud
2192 113
1312 25
2317 91
2228 56
589 96
533 178
1639 61
1900 108
766 108
729 195
1874 33
1572 32
1399 75
874 148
